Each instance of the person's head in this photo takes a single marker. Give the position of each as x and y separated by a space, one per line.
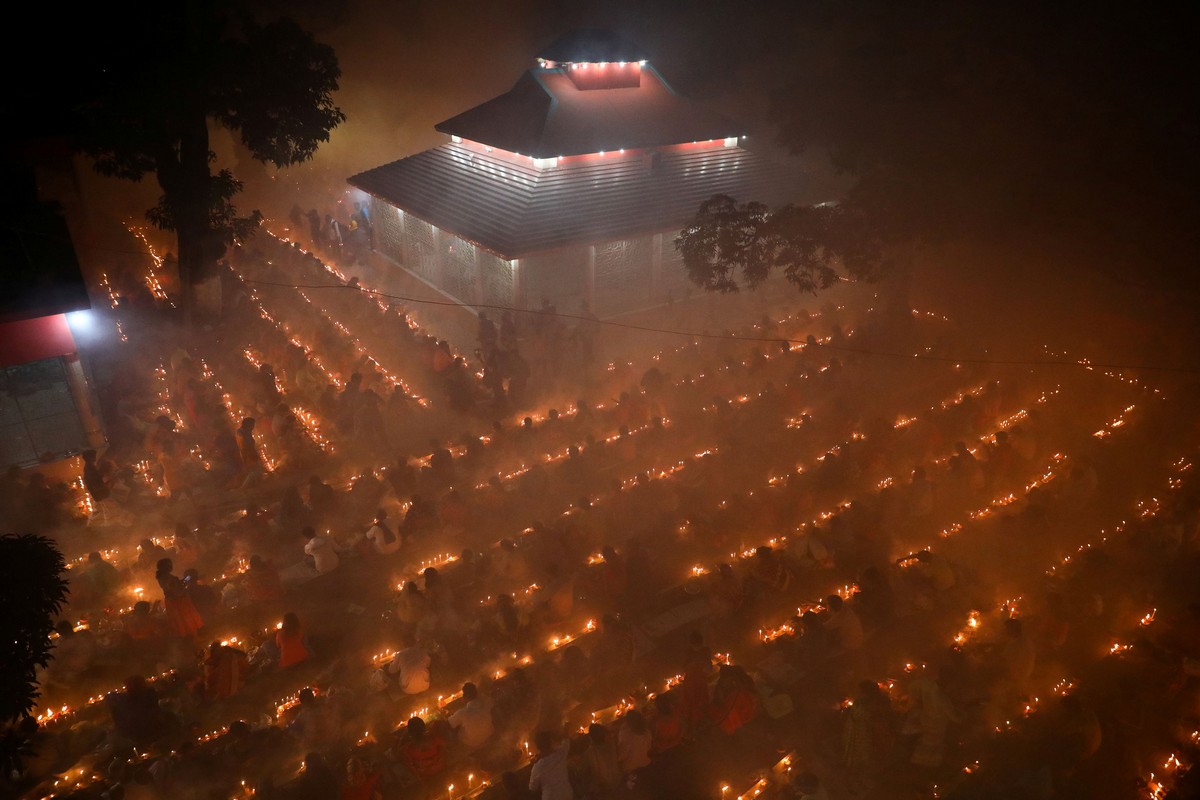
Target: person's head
291 623
609 552
1012 627
416 727
89 456
635 721
834 603
869 690
597 734
164 567
807 782
308 532
94 557
380 515
141 608
544 742
248 424
469 691
257 562
411 588
665 704
64 628
307 697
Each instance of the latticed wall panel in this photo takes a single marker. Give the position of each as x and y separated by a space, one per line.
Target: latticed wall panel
558 276
420 251
622 275
458 267
497 280
389 230
673 280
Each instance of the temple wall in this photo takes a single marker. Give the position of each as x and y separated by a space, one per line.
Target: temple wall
457 267
611 277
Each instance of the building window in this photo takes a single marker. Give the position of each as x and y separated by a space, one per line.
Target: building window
37 413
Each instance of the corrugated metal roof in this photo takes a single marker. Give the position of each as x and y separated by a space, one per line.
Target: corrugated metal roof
545 115
513 209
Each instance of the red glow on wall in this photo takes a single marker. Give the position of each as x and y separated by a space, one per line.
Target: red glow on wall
35 339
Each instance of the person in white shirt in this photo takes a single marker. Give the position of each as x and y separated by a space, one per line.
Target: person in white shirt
844 624
379 534
474 720
322 550
633 743
411 665
549 776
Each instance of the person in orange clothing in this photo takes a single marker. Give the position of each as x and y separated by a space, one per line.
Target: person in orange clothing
667 728
182 617
424 750
693 692
293 647
225 670
262 581
362 781
140 625
734 701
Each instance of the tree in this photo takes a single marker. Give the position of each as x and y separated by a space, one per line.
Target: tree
32 592
727 245
197 63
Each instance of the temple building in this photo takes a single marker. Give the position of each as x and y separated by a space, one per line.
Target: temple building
570 187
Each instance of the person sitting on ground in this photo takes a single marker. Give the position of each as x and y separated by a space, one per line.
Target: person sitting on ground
225 671
381 536
600 766
423 751
262 581
549 776
362 781
667 727
411 667
473 722
843 624
101 577
633 744
321 550
291 642
734 701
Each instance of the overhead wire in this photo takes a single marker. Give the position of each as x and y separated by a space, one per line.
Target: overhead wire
737 337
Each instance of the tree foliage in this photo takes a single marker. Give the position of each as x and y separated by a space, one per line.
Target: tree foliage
729 245
197 63
32 592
